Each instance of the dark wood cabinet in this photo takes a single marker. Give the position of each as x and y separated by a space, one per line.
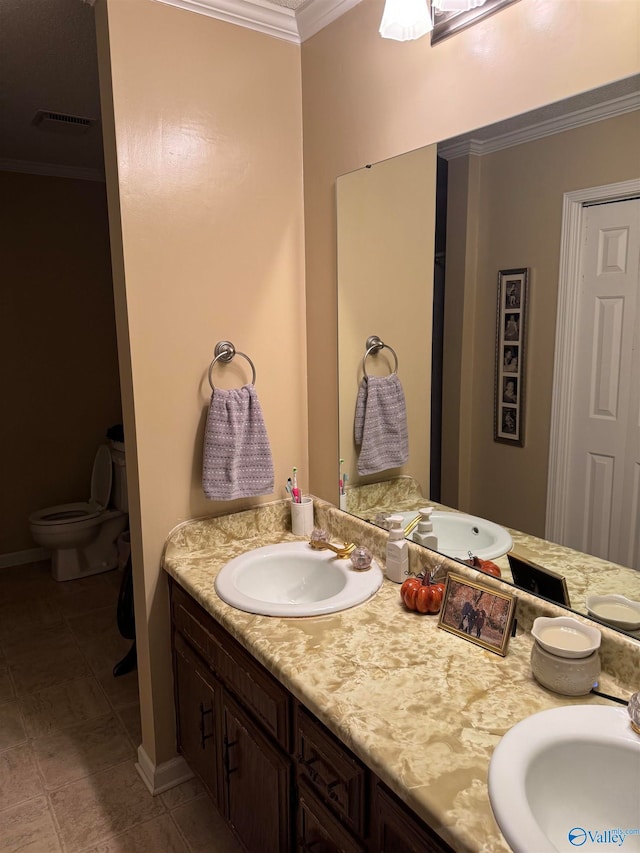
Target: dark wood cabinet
198 703
318 831
397 830
281 779
258 784
326 765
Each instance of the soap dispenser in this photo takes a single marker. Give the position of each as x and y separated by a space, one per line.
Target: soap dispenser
397 551
424 534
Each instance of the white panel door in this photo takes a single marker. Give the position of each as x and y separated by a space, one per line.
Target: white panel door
604 475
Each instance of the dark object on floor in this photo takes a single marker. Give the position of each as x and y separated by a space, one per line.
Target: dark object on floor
116 433
126 621
128 662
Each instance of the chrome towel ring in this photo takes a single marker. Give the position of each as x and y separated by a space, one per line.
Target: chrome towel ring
373 345
224 352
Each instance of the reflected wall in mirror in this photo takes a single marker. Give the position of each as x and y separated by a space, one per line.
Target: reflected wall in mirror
505 193
386 228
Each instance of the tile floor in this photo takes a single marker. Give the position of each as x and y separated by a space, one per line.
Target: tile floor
69 730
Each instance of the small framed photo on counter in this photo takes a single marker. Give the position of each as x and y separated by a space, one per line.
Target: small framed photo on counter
536 579
477 613
508 418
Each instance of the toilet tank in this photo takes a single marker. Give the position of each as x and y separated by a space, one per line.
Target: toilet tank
119 498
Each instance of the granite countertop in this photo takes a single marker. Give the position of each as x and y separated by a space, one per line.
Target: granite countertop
422 708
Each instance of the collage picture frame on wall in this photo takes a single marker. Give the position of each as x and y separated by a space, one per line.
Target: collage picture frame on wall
511 328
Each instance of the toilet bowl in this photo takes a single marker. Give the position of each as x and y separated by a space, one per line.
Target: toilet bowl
82 536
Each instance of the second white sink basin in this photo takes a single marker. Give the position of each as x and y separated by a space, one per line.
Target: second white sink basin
291 579
459 533
567 778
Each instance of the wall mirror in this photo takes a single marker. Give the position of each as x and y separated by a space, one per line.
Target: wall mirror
429 293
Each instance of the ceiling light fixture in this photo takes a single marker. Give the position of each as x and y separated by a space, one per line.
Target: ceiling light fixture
403 20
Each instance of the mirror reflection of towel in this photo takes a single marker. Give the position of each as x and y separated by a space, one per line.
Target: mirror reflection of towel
380 425
236 459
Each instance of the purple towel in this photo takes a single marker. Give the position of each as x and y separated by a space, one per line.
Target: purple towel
380 425
236 459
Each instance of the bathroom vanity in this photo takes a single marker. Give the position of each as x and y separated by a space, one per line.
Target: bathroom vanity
280 778
368 729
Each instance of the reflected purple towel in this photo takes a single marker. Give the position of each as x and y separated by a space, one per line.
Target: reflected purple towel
380 425
236 459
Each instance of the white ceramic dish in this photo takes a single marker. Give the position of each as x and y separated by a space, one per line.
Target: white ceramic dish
615 610
565 637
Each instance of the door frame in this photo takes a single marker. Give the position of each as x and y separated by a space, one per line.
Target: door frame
573 208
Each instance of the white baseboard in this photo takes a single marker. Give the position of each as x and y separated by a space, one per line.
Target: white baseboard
19 558
164 776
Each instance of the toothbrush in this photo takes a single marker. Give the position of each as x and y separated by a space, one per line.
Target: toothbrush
345 477
295 490
341 480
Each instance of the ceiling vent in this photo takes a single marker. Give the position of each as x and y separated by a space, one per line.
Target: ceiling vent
48 120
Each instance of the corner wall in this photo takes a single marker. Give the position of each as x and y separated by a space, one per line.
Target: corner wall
205 181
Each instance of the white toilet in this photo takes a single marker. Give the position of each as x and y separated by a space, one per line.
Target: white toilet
82 536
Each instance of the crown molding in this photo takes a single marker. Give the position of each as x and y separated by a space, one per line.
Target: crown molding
589 115
315 15
278 21
52 170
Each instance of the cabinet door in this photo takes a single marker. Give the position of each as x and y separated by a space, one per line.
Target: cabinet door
257 784
397 830
199 706
318 830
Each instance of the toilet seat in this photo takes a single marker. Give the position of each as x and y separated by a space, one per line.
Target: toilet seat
65 514
74 513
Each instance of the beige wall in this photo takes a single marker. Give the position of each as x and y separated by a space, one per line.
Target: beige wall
519 196
60 389
366 99
386 232
206 123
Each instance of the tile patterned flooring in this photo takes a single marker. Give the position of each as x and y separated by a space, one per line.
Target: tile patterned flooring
69 730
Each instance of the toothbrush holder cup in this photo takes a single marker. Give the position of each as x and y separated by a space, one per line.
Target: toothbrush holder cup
302 517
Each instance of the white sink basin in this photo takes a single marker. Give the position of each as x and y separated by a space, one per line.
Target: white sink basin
564 778
459 533
291 579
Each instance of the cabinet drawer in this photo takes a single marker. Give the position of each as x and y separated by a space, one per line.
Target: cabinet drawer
331 770
396 829
256 688
193 623
318 830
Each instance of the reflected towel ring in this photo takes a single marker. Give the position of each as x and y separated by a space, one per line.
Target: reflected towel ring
374 345
225 351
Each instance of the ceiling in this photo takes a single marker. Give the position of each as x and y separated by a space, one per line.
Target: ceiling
48 62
